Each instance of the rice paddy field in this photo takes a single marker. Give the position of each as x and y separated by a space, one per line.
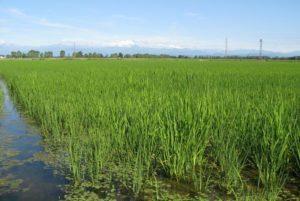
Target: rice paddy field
166 129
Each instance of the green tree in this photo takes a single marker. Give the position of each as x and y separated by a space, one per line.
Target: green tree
13 54
19 54
48 54
114 55
62 54
127 56
79 54
33 54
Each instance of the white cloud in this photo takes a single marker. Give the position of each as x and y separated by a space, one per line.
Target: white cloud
16 12
148 42
45 22
100 42
153 42
122 43
159 42
93 37
96 38
35 20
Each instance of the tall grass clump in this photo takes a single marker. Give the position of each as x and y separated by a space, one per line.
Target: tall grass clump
226 128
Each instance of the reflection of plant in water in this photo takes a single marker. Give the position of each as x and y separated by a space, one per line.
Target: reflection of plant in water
52 157
9 184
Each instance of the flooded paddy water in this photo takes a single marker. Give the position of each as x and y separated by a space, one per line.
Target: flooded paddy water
22 175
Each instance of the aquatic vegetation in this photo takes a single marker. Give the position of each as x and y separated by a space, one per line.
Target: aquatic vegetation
9 184
227 125
22 175
1 99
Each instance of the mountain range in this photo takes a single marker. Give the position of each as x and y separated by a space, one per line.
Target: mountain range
6 48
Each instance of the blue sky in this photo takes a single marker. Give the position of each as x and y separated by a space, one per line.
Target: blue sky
197 24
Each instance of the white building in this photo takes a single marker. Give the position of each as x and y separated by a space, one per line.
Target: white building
2 57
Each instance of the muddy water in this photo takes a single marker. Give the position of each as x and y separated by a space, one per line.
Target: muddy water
22 175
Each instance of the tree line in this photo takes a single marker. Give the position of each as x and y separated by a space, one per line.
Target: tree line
30 54
80 54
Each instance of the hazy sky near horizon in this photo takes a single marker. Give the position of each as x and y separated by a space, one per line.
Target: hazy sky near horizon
199 24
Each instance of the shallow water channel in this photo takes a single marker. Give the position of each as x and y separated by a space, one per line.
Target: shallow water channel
22 175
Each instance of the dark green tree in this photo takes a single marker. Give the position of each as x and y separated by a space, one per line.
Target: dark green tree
120 55
114 55
79 54
33 54
62 54
48 54
13 54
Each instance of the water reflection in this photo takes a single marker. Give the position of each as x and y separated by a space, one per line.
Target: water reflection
22 176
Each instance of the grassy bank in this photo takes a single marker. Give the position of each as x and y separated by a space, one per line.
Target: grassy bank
219 127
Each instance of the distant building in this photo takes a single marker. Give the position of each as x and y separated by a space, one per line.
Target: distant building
2 57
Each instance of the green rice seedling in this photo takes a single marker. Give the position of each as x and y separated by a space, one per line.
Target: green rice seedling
200 124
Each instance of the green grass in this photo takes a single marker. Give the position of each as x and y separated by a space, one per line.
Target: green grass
227 125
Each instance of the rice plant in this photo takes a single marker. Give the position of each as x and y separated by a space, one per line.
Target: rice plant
202 124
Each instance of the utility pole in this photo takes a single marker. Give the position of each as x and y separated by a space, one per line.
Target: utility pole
260 48
226 47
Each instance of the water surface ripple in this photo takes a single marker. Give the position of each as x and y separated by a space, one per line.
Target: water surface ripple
23 177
